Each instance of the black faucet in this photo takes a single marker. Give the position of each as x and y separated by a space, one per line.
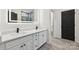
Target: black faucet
17 30
36 27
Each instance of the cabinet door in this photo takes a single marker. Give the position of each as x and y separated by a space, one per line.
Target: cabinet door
42 37
45 36
28 42
35 41
36 45
2 46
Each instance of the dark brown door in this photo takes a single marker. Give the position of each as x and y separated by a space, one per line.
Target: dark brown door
68 24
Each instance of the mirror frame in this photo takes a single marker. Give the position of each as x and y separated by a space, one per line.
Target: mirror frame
9 17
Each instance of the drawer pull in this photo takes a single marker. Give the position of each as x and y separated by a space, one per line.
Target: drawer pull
24 44
21 46
35 39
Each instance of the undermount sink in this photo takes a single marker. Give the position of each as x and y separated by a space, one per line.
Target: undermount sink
12 36
20 33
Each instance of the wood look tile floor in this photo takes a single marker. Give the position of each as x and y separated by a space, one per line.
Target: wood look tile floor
60 44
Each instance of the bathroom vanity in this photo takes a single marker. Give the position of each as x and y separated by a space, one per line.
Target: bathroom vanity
26 40
20 30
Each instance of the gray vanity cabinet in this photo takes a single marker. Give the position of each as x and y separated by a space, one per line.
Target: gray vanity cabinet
39 39
23 43
42 37
27 42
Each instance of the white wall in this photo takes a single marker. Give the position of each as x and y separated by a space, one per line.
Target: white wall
45 20
57 23
52 23
44 17
77 25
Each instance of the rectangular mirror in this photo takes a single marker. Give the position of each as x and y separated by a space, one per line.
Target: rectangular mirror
20 15
27 15
12 16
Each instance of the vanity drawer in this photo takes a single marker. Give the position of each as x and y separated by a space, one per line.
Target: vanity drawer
16 41
35 35
18 47
26 44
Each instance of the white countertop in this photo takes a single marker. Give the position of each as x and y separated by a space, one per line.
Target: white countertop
12 36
